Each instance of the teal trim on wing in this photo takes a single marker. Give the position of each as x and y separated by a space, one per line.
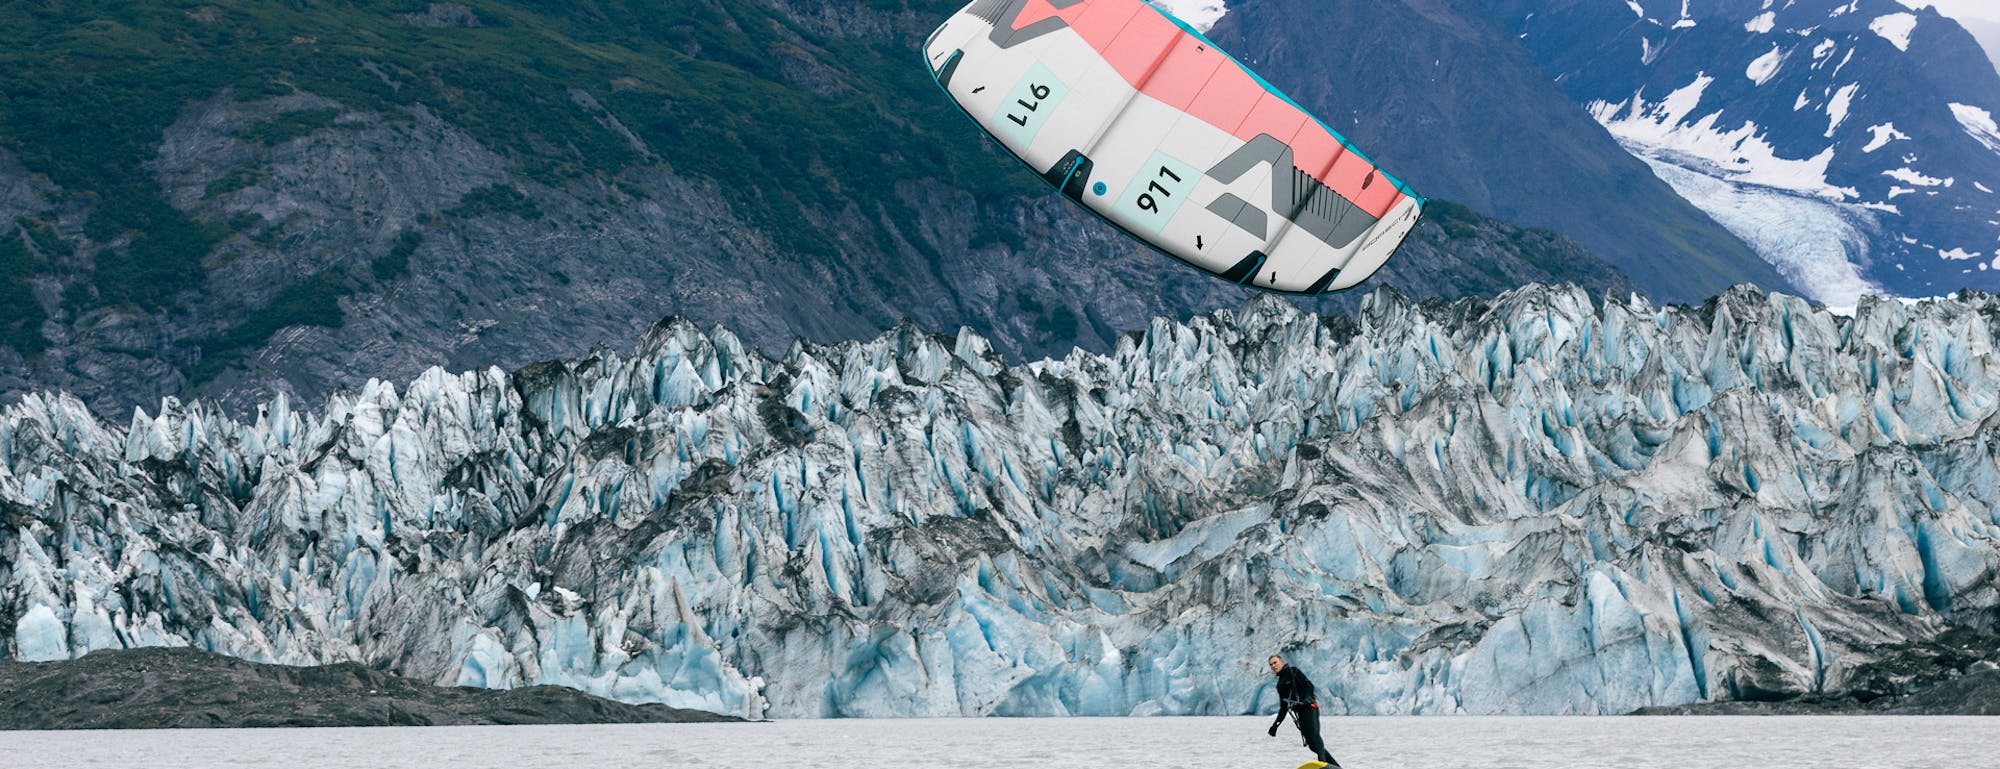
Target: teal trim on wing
1273 90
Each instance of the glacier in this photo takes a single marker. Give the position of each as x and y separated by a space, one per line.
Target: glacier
1789 107
1542 502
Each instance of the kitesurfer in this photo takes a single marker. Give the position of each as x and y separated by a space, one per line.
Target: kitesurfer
1295 694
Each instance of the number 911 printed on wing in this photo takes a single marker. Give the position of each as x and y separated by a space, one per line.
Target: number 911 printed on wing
1135 115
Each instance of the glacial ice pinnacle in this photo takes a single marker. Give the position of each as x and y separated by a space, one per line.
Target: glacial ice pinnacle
1529 504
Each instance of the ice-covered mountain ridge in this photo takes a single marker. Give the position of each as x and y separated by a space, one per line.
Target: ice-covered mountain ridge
1537 503
1846 140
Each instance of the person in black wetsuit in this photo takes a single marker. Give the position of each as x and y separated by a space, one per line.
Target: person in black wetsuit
1295 695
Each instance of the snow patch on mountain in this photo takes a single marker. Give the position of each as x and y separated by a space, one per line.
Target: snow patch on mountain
1979 124
1200 14
1765 66
1895 28
1700 125
1883 134
1836 109
1961 255
1910 176
1740 155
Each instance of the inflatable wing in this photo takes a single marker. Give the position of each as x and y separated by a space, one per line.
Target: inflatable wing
1132 113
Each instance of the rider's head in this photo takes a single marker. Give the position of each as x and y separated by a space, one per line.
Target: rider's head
1277 663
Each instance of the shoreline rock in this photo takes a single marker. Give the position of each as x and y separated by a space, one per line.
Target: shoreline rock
180 688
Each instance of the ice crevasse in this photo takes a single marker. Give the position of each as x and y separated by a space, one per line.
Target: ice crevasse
1540 503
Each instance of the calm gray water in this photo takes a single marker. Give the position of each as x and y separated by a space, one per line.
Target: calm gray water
1847 742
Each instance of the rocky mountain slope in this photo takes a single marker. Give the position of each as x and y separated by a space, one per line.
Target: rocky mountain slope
1853 142
1542 503
1440 93
1988 34
240 199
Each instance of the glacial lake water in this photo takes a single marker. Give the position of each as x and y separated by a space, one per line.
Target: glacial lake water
1683 742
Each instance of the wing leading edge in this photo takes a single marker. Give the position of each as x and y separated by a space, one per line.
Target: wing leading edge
1141 119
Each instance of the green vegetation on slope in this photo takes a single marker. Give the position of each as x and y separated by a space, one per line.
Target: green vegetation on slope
314 301
289 126
20 315
495 199
87 89
396 263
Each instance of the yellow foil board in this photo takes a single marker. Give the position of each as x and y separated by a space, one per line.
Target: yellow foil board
1313 765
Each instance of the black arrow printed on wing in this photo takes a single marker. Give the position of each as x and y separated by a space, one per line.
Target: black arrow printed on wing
977 90
1197 242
